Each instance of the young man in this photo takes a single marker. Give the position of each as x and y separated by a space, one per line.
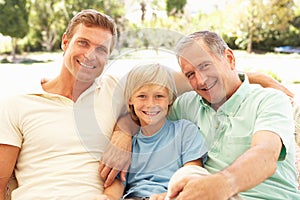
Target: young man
54 138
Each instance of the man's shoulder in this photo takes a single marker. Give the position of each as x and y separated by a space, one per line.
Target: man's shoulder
257 90
189 96
107 78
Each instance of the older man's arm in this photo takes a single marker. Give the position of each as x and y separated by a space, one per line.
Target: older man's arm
268 81
250 169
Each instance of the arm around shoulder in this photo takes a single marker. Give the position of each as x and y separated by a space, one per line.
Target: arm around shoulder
268 82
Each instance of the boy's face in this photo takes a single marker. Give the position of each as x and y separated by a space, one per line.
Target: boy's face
87 52
150 104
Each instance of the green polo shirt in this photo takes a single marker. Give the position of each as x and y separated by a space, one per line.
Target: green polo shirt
229 130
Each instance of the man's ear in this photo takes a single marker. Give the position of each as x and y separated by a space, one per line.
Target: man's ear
64 42
230 58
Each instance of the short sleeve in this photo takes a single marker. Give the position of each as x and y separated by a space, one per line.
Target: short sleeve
10 133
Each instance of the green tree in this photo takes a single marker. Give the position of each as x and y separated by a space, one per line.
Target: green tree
49 18
175 7
266 21
263 22
296 22
14 20
46 20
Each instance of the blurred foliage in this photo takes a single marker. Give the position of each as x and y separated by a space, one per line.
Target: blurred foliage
244 24
175 7
14 20
49 19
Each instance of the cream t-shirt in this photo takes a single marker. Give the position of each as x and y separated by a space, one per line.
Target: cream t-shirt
61 141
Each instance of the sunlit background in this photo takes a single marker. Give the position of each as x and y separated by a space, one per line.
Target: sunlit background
30 49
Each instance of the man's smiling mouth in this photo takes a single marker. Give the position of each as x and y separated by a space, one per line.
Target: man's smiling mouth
209 86
86 66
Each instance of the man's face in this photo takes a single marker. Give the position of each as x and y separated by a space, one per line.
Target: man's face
87 52
211 77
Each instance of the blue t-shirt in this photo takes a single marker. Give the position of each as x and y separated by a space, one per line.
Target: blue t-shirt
156 158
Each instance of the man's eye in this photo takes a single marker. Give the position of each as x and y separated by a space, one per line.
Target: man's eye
82 43
102 49
203 66
190 75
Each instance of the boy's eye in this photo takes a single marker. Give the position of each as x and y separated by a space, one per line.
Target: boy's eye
141 96
159 96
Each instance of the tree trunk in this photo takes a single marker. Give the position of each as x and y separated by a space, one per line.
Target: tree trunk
250 38
13 49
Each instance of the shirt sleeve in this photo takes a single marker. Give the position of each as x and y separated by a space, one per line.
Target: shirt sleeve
275 114
193 145
10 133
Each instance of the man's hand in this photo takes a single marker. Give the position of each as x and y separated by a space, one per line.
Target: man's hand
205 187
116 158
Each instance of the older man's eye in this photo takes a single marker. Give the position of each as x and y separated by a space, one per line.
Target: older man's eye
190 75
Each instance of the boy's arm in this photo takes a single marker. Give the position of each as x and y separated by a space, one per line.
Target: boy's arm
197 162
8 157
115 191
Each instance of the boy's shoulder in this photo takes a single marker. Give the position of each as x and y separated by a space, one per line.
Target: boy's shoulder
182 123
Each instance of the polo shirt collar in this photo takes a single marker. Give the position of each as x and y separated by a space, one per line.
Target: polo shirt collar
231 106
38 90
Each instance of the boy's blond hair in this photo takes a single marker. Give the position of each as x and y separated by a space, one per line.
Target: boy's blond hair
148 74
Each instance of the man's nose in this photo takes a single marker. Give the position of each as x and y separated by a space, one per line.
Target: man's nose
201 78
91 54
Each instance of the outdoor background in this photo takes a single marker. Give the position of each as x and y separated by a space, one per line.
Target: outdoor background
31 30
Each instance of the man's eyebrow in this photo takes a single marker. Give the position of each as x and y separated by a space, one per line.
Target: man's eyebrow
97 45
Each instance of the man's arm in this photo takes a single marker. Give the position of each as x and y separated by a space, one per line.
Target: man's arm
8 158
117 156
250 169
267 81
